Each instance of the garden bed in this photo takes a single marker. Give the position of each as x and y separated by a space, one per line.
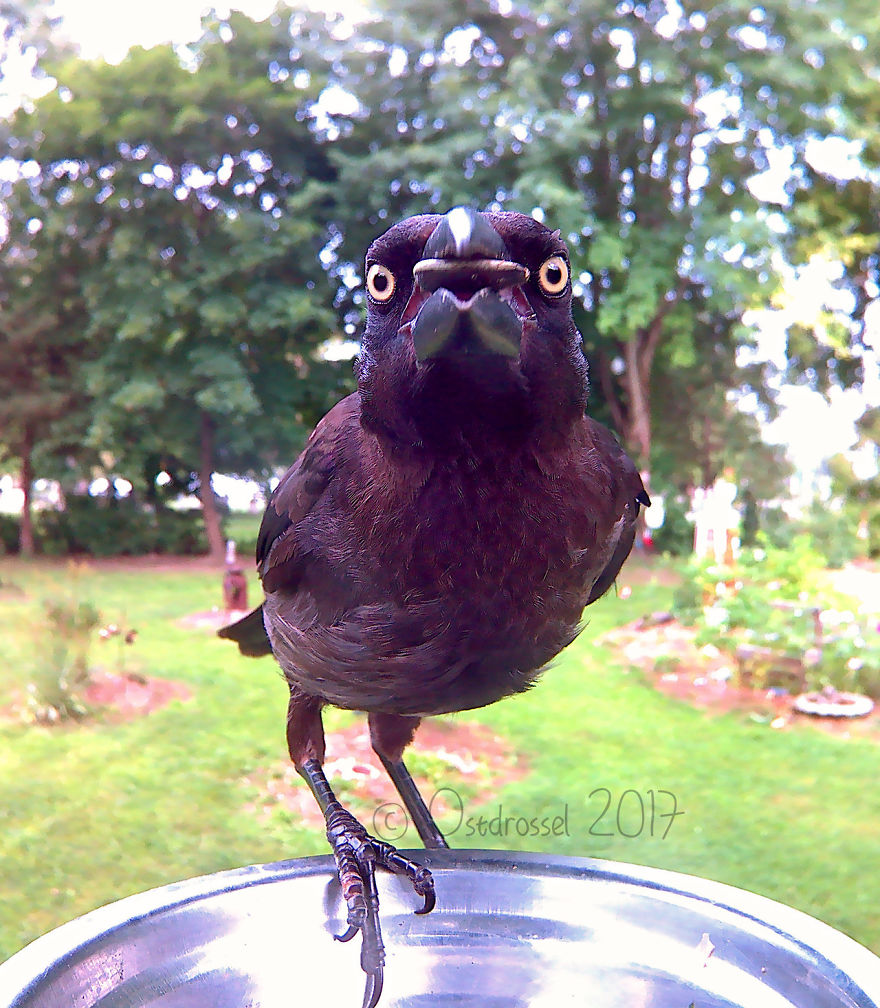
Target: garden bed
126 697
109 697
670 659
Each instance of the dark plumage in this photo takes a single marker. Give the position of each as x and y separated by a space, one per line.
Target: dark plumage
439 537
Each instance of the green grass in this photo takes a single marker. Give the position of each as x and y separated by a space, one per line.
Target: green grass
92 812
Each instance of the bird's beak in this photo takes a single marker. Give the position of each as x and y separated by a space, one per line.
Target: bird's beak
467 296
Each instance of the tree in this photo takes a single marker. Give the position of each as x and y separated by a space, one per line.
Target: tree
635 128
200 206
701 429
43 347
34 392
833 214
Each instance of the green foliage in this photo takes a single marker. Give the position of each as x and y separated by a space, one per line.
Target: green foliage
175 236
635 129
777 527
832 527
9 533
867 677
851 520
833 530
850 658
788 571
789 574
751 521
99 528
676 535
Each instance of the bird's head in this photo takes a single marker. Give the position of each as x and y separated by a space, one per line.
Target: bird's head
469 309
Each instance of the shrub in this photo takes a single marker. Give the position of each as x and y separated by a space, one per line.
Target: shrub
102 528
850 654
867 679
741 593
834 532
179 532
60 667
9 533
676 535
775 528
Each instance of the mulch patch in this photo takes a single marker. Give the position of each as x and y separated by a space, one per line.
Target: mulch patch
114 698
126 697
475 755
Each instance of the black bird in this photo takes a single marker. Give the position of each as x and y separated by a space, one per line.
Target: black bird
435 544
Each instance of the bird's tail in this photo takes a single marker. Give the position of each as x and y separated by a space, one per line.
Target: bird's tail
249 633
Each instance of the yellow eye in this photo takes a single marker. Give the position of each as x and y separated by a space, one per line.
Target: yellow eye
553 275
380 282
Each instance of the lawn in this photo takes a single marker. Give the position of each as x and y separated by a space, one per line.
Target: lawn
93 811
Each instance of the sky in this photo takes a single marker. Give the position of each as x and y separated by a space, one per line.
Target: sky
108 27
812 427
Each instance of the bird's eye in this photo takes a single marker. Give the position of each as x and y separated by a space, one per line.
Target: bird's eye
380 282
553 275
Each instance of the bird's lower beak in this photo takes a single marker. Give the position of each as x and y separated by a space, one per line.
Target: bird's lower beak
480 324
467 296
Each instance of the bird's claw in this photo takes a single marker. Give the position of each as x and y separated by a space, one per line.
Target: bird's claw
421 878
372 990
348 935
357 856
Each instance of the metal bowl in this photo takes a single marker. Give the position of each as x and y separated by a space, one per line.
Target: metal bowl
509 930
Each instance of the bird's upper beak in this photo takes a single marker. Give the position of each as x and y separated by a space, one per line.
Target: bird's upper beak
467 296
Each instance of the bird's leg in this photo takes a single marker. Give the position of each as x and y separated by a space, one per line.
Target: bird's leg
390 734
357 854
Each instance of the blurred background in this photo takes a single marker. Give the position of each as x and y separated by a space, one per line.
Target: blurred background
186 196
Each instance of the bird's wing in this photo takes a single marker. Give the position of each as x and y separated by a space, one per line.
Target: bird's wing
279 552
302 486
630 494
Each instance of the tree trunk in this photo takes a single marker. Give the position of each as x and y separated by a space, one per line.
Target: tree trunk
707 477
26 531
210 514
639 359
638 355
616 407
638 427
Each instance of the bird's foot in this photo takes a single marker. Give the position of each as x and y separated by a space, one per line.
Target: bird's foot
357 856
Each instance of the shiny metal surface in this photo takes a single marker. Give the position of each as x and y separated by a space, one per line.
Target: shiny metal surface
510 930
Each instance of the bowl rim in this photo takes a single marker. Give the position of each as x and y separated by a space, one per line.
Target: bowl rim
853 967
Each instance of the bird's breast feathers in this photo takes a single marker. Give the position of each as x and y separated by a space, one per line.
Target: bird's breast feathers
458 584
